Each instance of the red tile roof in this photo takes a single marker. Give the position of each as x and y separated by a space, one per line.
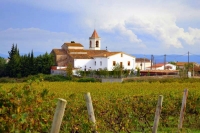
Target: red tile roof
80 56
142 60
159 71
74 44
79 53
106 54
59 51
183 63
76 50
94 35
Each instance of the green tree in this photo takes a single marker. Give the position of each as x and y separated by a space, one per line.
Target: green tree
117 70
2 67
13 67
138 71
69 71
32 64
104 72
126 72
172 62
43 63
22 66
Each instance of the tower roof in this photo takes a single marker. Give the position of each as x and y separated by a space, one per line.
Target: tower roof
94 35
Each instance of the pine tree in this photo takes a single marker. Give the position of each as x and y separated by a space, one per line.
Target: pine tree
13 67
2 66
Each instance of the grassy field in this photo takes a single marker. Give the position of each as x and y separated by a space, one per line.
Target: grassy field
122 107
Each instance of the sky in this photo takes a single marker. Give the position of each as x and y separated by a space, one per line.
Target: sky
132 26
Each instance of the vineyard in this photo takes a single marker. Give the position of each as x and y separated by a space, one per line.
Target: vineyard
118 107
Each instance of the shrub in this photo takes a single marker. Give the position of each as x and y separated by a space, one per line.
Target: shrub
87 80
53 78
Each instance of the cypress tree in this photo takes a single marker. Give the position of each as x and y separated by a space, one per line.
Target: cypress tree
13 66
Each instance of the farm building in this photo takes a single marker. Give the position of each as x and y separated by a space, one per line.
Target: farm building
93 58
158 72
193 67
160 69
162 66
143 63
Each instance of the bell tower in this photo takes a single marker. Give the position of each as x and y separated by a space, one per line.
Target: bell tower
95 41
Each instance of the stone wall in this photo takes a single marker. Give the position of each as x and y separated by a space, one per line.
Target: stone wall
103 80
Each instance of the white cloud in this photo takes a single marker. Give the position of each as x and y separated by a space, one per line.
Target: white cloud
32 39
192 37
126 32
126 18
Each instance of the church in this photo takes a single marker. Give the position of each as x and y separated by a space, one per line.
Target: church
93 58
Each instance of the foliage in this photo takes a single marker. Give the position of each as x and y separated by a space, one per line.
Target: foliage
126 72
183 72
118 107
53 78
13 67
78 72
103 72
43 63
117 70
22 109
69 72
172 62
86 80
138 71
25 65
2 67
162 79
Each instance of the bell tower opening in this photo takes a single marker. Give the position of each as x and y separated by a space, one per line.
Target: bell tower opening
95 41
90 44
97 44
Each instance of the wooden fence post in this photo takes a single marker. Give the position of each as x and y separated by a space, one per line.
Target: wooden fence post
59 113
157 114
90 110
183 108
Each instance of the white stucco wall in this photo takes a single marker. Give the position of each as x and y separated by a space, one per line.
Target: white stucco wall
173 67
145 65
105 62
74 47
93 40
124 59
101 63
84 63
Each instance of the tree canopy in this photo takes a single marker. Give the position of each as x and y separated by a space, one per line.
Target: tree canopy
25 65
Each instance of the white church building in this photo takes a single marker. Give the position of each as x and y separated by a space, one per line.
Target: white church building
93 58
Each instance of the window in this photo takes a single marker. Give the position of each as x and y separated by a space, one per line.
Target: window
121 55
114 63
90 44
95 63
97 43
100 63
129 63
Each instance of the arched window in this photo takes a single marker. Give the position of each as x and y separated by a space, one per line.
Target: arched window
97 43
90 44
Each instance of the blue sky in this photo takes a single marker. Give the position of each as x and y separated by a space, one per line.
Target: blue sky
132 26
